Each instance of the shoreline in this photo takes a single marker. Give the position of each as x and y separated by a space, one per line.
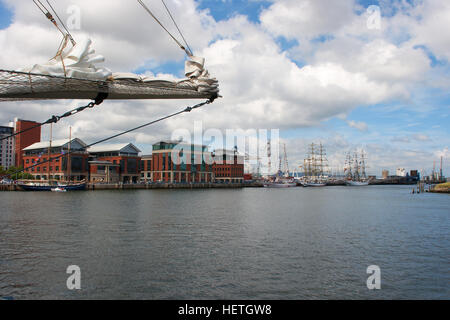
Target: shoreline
143 186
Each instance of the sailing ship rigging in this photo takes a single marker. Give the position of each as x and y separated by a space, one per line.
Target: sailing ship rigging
72 74
282 178
355 169
315 167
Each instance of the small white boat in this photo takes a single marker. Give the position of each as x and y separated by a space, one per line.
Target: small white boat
58 189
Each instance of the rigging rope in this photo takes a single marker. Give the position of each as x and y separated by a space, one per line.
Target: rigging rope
179 31
55 119
187 109
62 23
162 26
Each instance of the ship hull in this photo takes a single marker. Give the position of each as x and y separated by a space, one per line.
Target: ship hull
279 185
357 183
311 184
71 187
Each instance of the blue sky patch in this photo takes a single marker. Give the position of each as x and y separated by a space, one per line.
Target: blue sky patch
6 16
225 9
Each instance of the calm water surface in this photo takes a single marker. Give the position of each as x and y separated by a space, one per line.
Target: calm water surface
296 243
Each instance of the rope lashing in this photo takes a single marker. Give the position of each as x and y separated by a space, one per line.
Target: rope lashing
54 119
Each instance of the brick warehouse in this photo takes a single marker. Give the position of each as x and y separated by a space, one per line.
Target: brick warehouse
62 167
228 166
125 155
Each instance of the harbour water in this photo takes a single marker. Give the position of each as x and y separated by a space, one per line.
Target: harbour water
251 243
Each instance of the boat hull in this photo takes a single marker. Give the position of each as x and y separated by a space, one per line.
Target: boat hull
280 185
310 184
71 187
357 183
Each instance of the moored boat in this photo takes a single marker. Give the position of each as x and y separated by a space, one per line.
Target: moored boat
356 183
48 187
278 184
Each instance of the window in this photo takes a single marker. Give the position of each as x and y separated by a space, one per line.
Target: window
132 165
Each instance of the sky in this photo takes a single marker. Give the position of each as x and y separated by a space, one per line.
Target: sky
348 74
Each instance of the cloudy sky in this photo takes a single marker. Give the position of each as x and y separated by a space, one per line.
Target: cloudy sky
318 70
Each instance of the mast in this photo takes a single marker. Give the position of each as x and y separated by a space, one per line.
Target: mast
269 155
363 165
349 166
356 167
286 165
49 152
68 155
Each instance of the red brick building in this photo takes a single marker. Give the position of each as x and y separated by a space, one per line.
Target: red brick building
125 155
62 167
104 172
175 161
25 139
228 166
146 168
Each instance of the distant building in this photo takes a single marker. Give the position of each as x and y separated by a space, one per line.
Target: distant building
7 149
191 163
125 156
228 166
414 173
400 172
62 166
25 139
385 174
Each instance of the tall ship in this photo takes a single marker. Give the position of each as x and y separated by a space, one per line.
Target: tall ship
315 167
355 169
282 178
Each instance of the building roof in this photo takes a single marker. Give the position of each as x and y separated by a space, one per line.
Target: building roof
56 144
114 147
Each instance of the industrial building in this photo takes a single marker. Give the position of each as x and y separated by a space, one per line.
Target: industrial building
62 166
228 166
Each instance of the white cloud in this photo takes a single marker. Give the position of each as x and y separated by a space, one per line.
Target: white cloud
361 126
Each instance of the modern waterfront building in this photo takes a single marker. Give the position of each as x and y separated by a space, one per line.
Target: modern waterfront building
146 168
7 149
228 166
24 140
177 161
385 174
125 155
62 166
104 172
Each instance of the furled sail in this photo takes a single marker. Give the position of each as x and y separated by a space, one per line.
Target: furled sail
74 75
